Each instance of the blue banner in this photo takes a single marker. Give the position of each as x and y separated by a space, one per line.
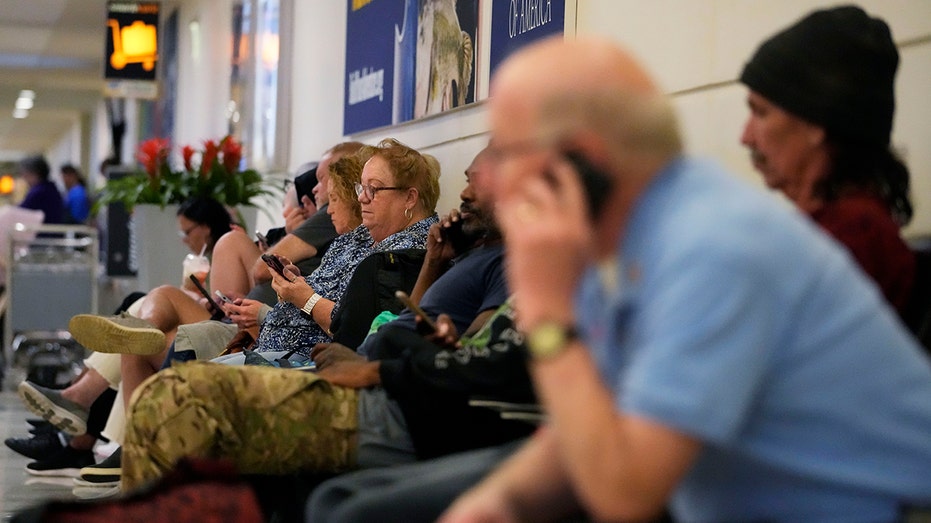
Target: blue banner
407 59
370 59
516 23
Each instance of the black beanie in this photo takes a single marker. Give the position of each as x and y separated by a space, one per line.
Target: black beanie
835 68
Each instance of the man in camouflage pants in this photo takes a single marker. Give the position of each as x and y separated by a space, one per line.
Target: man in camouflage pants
268 421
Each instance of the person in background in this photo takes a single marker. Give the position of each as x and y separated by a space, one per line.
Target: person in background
403 377
77 201
822 100
398 193
695 344
202 223
306 244
43 195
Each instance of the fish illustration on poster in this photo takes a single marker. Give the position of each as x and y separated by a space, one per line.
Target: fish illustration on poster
407 59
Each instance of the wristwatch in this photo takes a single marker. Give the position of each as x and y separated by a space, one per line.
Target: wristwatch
549 339
308 307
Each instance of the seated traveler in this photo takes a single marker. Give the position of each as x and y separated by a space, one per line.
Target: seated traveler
695 344
821 101
345 382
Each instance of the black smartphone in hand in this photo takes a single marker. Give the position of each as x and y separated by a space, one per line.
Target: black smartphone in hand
597 185
409 303
457 238
263 241
218 313
272 261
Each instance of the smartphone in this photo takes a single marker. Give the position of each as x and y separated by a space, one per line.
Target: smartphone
597 185
457 238
304 184
224 298
263 241
273 262
218 313
406 300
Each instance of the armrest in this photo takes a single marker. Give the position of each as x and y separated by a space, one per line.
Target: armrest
504 405
530 417
529 412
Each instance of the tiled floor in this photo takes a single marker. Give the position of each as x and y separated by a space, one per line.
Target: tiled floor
18 489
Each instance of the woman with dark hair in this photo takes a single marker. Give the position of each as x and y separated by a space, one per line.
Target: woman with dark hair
201 223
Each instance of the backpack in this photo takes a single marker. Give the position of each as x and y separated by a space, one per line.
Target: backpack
371 291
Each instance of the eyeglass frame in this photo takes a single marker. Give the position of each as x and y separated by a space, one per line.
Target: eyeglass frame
370 190
185 233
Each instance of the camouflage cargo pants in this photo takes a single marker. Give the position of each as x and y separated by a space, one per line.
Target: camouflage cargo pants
267 420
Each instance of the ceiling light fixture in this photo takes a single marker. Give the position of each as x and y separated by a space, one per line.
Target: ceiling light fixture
24 103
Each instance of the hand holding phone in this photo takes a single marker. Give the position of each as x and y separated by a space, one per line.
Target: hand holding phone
217 311
224 298
597 185
457 238
406 300
272 261
263 241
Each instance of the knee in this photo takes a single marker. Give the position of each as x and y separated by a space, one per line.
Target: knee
162 290
151 393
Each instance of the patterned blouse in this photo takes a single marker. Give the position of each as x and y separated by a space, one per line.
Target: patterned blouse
287 328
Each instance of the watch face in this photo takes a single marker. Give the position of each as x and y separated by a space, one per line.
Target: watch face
547 340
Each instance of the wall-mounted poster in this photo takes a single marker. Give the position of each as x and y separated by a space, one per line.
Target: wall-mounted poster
407 59
516 23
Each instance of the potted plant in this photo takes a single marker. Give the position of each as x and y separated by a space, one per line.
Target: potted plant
153 193
212 171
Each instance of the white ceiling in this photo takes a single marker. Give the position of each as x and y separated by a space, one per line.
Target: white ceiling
55 48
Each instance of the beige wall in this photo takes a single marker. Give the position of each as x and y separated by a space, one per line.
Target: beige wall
695 48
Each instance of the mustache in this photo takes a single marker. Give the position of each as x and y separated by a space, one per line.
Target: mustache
757 157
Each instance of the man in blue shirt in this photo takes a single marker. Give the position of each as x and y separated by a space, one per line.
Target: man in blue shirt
77 201
696 344
43 195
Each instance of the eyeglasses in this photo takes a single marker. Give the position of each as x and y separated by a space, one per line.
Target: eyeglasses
370 191
184 233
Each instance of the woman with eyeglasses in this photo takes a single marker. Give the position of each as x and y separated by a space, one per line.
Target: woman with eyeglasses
397 195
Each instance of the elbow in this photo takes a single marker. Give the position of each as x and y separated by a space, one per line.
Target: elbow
624 513
611 507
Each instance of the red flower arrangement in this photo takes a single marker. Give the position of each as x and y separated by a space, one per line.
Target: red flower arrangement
213 171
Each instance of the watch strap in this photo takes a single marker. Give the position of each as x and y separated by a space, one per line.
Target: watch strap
308 307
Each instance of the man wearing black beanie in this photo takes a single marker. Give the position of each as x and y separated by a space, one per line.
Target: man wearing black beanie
821 108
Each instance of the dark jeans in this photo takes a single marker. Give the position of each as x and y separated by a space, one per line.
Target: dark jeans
408 493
